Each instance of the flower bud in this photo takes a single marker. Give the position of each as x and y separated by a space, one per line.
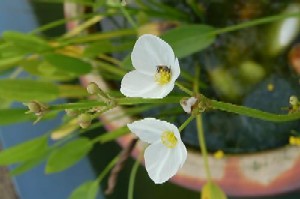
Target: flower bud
84 120
93 88
294 100
188 104
36 107
71 112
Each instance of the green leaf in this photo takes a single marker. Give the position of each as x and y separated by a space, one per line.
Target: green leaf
15 115
26 42
29 164
106 46
72 91
26 90
68 64
67 155
7 63
87 190
212 191
25 151
189 39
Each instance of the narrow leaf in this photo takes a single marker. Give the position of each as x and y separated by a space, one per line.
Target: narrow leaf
87 190
67 155
26 90
15 115
68 64
65 129
212 191
24 151
26 42
189 39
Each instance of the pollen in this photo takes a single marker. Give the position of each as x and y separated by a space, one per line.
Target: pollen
163 75
169 139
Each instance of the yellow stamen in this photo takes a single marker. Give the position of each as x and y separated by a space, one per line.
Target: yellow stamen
219 154
294 141
163 75
169 139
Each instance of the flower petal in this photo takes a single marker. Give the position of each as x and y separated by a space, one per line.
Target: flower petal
148 129
175 70
161 162
136 84
150 51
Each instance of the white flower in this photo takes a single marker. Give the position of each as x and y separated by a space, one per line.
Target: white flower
166 153
188 104
156 69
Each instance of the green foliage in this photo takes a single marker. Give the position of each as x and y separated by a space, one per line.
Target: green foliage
26 42
212 191
27 90
68 64
188 39
15 115
24 151
87 190
67 155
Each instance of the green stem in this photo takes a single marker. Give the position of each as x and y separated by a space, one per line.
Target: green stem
203 145
184 89
253 23
250 112
186 123
133 176
108 168
128 17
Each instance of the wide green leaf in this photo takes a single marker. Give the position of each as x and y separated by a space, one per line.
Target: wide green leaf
25 151
15 115
212 191
29 164
26 42
67 155
9 62
26 90
189 39
68 64
87 190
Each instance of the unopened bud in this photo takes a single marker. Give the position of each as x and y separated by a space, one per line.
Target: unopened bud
294 100
84 120
36 107
93 88
71 112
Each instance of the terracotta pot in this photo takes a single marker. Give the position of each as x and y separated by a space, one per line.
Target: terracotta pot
263 173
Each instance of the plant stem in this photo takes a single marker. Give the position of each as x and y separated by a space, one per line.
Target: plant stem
203 145
184 89
250 112
106 170
133 176
128 17
254 23
186 123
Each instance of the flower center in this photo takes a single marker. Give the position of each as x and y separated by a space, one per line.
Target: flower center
163 75
168 139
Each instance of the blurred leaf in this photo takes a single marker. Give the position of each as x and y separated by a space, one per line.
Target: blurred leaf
212 191
65 129
26 90
15 115
106 46
6 63
74 91
24 151
189 39
27 42
67 155
29 164
87 190
68 64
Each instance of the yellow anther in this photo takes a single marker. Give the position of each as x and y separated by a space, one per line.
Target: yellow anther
219 154
270 87
169 139
163 75
294 140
